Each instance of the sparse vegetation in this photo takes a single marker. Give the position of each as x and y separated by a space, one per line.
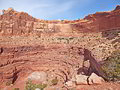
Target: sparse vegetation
72 89
54 81
66 39
16 89
112 66
8 83
31 86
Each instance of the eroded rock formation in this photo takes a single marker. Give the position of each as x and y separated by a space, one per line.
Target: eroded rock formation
56 47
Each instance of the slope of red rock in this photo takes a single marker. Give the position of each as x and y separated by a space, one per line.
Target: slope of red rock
55 47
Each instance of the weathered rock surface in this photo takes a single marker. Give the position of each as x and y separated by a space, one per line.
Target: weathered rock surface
95 79
38 76
81 79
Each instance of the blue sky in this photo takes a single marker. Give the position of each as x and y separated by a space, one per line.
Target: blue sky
60 9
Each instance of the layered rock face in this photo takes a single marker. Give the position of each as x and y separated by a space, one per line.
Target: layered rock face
56 47
20 23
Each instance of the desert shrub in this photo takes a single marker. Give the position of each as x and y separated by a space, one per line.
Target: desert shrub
41 86
16 89
72 89
31 86
9 82
111 66
54 81
66 39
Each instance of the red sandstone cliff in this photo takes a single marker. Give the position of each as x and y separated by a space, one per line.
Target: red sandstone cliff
100 21
20 23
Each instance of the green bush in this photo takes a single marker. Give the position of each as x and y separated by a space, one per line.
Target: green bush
31 86
41 86
54 81
111 66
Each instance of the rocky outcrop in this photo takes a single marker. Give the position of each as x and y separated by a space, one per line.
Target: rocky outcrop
100 21
94 66
117 7
15 23
80 79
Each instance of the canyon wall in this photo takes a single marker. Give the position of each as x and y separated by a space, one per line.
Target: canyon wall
20 23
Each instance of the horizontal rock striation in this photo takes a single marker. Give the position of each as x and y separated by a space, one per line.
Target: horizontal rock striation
20 23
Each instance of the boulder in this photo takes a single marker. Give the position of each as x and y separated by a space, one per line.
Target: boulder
81 79
95 79
38 76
